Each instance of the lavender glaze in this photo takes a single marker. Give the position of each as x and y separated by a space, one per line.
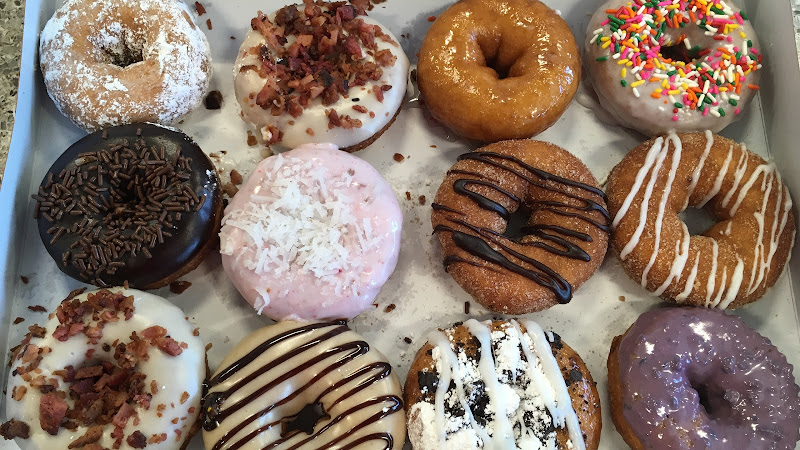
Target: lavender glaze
702 379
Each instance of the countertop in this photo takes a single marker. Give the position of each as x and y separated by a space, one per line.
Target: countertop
12 13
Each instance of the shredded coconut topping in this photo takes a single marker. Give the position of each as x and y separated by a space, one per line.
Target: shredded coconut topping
300 219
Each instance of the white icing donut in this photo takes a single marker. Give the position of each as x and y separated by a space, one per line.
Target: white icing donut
166 408
115 62
696 71
312 234
252 77
304 386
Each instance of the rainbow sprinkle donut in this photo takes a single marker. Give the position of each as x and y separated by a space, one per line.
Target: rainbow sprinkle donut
660 66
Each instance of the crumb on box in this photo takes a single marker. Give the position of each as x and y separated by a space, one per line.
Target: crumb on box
24 279
421 199
622 298
390 308
398 157
408 195
236 177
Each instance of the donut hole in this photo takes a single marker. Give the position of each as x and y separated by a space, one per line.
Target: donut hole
517 223
677 52
715 401
121 48
697 220
496 57
304 421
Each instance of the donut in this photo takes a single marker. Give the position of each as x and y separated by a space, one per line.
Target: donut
323 72
117 62
522 224
728 265
686 378
678 66
113 368
303 386
498 69
138 204
500 384
312 234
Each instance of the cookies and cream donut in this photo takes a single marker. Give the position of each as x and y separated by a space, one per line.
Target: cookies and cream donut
115 62
734 261
500 384
688 378
673 66
498 69
139 204
314 233
323 72
115 368
304 386
522 224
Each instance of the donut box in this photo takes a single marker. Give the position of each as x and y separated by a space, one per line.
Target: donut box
413 156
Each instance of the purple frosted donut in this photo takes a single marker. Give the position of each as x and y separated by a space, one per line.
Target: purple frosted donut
683 378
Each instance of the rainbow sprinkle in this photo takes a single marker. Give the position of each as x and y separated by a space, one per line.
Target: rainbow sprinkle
635 35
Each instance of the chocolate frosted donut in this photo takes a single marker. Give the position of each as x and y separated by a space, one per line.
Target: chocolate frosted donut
500 385
299 385
137 203
689 378
522 224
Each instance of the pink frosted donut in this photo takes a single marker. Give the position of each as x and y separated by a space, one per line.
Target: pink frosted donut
312 234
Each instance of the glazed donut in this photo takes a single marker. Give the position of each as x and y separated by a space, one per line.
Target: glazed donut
687 378
697 68
122 61
498 69
522 224
312 234
138 204
729 265
111 368
501 384
304 386
341 79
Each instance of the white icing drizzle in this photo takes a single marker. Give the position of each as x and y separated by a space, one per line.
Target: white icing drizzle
689 286
712 275
733 289
718 181
679 262
700 165
662 204
541 367
741 168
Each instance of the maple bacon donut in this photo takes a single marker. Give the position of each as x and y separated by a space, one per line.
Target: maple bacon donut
116 62
114 368
689 378
320 72
304 386
730 264
500 384
494 70
673 66
522 224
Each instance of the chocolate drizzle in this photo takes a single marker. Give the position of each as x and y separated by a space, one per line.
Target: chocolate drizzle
314 350
491 246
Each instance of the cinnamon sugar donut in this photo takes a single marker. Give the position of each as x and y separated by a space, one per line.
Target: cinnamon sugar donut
498 69
116 62
729 265
522 224
501 384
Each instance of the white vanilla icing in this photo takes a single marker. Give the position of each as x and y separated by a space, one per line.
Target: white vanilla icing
175 406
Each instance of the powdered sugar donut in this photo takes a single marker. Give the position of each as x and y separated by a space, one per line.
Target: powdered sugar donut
341 79
123 61
312 234
116 368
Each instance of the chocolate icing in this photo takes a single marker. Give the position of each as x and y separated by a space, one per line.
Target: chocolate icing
180 235
216 411
699 378
479 242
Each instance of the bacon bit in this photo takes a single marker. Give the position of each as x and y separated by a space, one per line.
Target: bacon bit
15 429
91 436
309 132
153 387
37 331
157 438
174 421
52 410
18 320
169 346
191 410
37 308
19 392
360 108
378 93
178 434
200 8
208 346
208 24
137 440
89 372
154 332
184 397
431 18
